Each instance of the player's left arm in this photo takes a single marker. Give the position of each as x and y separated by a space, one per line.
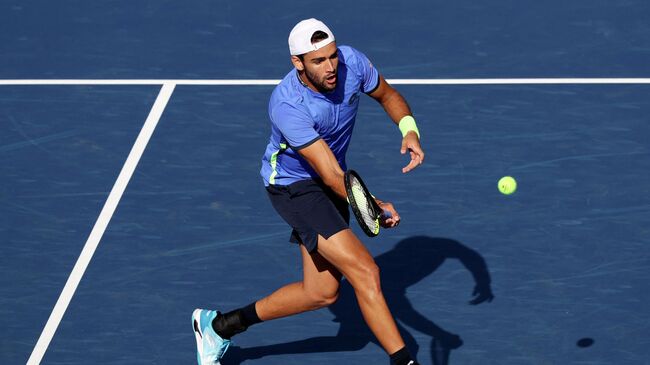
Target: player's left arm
397 108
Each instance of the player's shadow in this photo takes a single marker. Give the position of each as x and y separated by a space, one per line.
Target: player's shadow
410 261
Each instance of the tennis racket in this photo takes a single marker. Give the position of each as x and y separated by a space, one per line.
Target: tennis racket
363 204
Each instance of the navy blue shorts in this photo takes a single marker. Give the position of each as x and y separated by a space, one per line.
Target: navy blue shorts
311 209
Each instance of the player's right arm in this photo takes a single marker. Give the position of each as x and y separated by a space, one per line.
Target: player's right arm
321 158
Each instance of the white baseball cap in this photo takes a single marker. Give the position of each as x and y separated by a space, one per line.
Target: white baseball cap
300 37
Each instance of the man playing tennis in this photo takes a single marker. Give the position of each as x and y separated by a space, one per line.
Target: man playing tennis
313 111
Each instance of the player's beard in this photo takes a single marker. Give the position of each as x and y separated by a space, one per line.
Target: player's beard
322 85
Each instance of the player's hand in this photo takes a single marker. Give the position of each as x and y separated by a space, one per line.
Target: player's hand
389 217
411 143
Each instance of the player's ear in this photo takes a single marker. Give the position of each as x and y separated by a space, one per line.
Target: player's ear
297 63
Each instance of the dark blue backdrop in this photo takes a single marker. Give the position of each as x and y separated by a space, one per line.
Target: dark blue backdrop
566 256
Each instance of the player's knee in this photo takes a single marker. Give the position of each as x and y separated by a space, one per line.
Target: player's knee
329 299
323 299
371 280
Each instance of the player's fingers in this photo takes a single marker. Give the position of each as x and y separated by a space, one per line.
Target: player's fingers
404 147
391 222
389 214
389 211
417 150
413 164
417 158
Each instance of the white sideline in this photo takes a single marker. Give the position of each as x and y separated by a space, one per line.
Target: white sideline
101 224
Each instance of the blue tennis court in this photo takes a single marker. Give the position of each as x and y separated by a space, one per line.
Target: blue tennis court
566 257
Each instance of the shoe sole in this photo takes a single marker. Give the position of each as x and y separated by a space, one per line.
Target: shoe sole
198 335
196 315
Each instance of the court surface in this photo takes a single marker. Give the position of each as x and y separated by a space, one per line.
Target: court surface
566 256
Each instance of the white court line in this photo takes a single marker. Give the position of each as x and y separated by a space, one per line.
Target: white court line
527 81
101 224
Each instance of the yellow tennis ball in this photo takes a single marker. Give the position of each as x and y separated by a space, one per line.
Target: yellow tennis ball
507 185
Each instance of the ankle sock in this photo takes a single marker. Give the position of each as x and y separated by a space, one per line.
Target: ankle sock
234 322
402 357
249 315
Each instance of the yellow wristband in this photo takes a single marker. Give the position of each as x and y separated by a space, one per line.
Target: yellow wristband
407 124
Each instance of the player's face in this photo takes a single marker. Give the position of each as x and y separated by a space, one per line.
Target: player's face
320 67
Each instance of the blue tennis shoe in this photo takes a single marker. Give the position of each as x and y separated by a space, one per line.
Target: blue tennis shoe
210 347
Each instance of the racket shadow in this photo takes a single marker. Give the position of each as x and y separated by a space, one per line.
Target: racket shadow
410 261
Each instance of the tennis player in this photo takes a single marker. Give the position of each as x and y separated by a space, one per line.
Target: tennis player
312 113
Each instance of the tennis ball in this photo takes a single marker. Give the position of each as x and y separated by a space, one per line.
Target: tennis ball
507 185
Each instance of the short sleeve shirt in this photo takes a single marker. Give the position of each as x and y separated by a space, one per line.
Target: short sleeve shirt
300 116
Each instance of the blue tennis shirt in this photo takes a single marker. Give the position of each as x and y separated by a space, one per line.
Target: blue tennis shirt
300 116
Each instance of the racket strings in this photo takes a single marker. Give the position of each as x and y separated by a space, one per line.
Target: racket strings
365 206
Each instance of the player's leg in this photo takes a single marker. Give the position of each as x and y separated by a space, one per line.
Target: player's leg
319 288
308 208
348 254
